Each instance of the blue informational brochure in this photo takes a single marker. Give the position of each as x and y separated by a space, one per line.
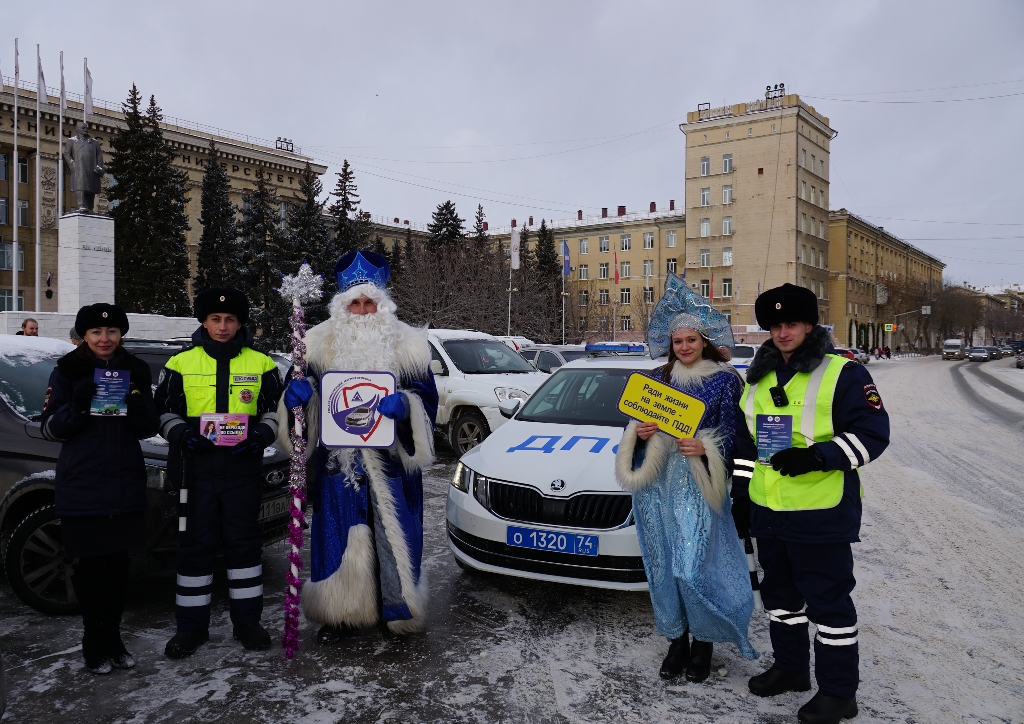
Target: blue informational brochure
111 390
774 434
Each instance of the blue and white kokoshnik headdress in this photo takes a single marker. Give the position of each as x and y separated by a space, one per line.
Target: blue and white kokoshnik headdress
683 308
361 267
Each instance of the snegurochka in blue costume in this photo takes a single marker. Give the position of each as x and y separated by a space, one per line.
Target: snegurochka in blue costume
696 567
366 534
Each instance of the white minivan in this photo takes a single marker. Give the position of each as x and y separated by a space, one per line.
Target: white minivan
474 373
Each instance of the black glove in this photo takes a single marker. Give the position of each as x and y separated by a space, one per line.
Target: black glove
135 403
81 397
795 461
261 437
741 516
190 441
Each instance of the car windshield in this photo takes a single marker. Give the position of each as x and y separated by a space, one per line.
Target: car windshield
23 381
978 349
574 354
485 357
579 397
743 350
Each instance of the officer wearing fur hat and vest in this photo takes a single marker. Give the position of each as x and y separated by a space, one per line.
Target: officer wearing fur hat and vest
221 489
810 419
100 481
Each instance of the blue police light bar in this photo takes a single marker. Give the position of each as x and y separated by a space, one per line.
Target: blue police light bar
615 348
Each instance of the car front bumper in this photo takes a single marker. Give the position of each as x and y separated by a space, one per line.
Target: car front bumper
477 539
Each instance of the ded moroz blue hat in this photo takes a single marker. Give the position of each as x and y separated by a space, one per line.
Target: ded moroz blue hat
362 267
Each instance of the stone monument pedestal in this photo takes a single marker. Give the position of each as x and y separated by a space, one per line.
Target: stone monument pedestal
85 260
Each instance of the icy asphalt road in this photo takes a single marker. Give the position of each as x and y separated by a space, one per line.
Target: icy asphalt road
939 593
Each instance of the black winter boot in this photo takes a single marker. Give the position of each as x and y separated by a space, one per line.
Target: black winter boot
88 584
328 635
826 708
677 658
113 606
700 661
253 636
774 682
185 643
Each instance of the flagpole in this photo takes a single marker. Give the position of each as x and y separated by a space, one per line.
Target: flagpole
40 92
17 180
60 144
565 262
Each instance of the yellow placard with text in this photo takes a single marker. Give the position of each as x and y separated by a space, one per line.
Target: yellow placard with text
648 400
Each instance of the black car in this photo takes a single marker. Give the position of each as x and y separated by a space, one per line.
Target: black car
30 534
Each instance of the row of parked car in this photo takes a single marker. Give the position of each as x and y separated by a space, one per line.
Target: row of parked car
985 354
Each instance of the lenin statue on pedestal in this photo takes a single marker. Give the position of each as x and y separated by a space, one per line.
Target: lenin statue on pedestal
84 158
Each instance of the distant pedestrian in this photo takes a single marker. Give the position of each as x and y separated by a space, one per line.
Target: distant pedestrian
100 481
888 353
897 350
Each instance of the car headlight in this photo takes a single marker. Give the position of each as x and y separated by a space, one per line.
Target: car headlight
463 478
481 491
510 393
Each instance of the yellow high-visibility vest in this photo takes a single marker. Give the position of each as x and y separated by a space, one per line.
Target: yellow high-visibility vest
198 371
810 404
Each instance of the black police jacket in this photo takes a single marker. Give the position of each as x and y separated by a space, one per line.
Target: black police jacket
100 468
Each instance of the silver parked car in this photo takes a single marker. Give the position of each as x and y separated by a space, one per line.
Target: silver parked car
979 354
549 357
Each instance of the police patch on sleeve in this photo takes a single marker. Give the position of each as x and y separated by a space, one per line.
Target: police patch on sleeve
872 397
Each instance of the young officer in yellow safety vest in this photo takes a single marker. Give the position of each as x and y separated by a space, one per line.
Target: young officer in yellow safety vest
810 419
221 488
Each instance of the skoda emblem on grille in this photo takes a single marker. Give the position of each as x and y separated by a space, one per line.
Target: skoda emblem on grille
557 485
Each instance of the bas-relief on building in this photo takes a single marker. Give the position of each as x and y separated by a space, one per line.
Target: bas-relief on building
240 155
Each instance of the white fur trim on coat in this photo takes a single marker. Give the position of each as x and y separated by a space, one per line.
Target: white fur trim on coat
415 594
422 437
348 597
659 447
710 479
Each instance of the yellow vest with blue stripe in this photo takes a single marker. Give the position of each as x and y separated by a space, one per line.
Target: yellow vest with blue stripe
810 403
198 371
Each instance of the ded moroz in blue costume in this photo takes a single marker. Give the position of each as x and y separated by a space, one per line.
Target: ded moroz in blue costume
366 534
696 567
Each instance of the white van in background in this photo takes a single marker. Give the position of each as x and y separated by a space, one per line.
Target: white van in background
954 349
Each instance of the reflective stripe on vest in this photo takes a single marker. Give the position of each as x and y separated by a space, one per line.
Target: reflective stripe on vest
810 403
198 371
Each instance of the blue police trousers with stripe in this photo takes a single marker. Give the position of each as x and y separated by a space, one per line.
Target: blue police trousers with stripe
220 519
812 582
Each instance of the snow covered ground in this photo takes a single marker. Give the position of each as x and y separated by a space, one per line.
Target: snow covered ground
940 579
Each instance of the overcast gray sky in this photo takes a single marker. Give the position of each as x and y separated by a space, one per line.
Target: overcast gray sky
543 108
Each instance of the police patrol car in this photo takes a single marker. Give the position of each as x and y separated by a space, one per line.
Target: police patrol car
538 498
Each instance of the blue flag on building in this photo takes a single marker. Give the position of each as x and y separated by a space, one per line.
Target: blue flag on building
565 258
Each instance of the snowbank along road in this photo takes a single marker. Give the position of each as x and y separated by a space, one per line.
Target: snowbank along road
940 580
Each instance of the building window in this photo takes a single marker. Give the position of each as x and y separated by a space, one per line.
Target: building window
821 229
624 323
583 271
625 243
23 213
3 166
705 257
602 324
727 163
705 287
727 287
814 192
727 135
726 225
648 295
705 196
821 199
803 222
584 246
821 167
803 190
283 213
3 212
814 166
648 267
773 128
821 290
803 254
727 256
670 239
813 224
727 194
602 270
648 239
803 158
705 138
624 295
602 296
623 269
5 301
705 166
705 227
670 265
584 297
23 169
6 254
728 315
603 244
750 131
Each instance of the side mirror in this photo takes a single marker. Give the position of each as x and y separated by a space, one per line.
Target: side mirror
509 408
436 367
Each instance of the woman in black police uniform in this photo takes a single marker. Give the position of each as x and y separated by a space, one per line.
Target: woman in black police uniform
101 477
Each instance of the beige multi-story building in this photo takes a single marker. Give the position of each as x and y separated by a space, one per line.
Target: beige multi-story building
641 246
873 277
240 155
757 191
